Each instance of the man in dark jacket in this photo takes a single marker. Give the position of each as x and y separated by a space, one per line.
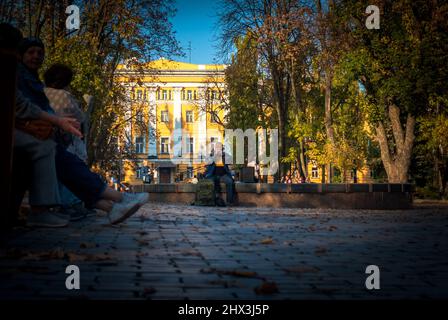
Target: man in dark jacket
219 171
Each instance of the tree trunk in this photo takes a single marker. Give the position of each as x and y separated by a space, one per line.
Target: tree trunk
281 143
328 118
396 162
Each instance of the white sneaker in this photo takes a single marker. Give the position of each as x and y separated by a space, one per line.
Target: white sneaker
46 219
122 210
141 197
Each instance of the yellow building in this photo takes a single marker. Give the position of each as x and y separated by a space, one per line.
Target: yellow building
174 100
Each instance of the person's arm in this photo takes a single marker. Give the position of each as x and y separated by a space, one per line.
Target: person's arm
28 110
70 125
25 109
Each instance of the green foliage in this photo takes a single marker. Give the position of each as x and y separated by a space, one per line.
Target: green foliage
248 104
111 32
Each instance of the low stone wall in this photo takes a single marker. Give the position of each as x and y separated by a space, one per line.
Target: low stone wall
307 195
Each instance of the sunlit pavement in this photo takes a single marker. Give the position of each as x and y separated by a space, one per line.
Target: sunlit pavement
187 252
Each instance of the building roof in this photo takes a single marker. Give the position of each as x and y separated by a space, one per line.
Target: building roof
171 65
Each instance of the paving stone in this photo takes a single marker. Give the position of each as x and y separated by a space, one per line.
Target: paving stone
183 252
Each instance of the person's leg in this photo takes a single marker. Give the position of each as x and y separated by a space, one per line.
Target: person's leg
43 186
78 178
90 188
230 188
68 199
216 181
43 181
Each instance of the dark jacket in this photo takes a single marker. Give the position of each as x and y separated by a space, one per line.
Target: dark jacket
210 170
32 88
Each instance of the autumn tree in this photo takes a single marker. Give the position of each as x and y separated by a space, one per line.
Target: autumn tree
111 32
400 66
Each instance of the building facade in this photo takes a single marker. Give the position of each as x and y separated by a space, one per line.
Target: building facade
176 120
179 106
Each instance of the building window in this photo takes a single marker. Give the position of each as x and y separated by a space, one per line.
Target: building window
165 145
190 145
139 117
314 172
139 94
213 141
195 95
183 94
139 145
164 95
190 172
164 116
189 95
189 116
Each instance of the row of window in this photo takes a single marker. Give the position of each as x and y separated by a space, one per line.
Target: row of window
167 95
165 145
189 117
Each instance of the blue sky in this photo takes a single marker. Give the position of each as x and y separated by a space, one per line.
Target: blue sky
195 21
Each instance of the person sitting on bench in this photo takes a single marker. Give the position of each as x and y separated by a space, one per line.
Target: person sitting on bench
219 171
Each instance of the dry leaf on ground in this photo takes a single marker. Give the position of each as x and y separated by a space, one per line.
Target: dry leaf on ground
266 288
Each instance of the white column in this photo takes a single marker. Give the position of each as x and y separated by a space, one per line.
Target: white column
152 125
127 115
201 124
177 123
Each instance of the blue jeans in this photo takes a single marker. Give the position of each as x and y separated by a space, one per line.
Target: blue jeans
78 178
230 186
68 199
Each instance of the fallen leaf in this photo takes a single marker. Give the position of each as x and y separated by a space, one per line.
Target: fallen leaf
266 288
72 257
236 273
50 255
191 253
267 241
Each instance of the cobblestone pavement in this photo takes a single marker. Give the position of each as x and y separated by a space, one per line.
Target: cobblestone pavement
186 252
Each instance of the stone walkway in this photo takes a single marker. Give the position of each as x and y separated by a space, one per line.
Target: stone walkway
185 252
